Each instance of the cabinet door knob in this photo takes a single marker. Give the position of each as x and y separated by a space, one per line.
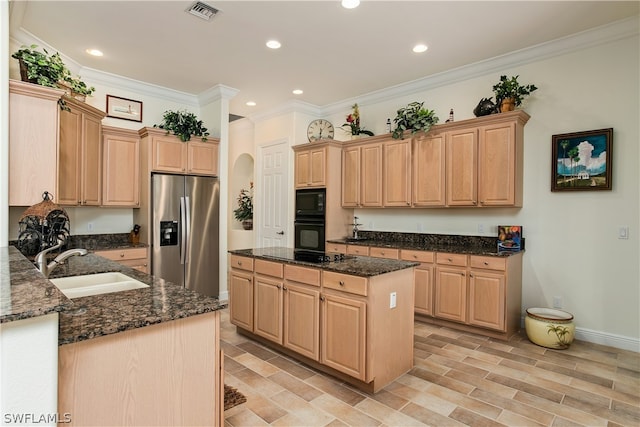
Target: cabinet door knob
321 298
278 286
280 232
449 259
284 288
486 263
239 262
341 283
121 255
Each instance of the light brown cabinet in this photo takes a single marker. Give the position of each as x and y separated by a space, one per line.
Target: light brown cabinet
167 153
311 167
335 322
422 279
396 167
121 167
137 258
462 167
33 142
80 155
362 175
428 170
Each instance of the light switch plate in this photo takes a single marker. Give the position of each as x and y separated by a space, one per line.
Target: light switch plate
392 300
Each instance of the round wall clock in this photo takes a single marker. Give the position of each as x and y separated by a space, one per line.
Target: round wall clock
319 129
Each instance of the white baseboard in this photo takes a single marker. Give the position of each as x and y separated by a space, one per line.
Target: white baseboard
603 338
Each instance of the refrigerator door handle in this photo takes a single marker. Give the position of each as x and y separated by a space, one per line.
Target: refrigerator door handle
188 230
183 231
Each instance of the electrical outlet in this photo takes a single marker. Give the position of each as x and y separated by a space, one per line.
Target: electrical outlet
370 225
392 300
623 232
89 226
420 227
557 302
480 228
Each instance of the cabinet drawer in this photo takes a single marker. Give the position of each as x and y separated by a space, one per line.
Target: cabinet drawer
488 262
310 276
343 282
123 254
384 253
241 262
269 268
337 247
459 260
421 256
358 250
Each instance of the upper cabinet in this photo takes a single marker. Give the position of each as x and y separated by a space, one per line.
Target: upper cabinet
169 154
33 142
120 167
80 154
471 163
310 166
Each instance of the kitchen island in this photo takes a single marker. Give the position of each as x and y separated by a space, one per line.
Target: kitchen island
147 356
351 316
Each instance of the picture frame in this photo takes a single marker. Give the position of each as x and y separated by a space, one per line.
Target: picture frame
581 161
124 108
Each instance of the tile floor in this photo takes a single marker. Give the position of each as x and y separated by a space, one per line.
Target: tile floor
458 379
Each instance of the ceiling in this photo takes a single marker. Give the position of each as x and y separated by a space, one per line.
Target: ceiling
329 52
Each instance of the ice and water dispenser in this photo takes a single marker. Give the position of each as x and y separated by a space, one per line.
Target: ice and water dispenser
168 233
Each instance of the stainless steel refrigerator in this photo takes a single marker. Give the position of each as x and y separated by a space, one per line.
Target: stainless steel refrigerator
185 231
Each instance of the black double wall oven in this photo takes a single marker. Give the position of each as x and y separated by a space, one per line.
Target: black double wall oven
310 222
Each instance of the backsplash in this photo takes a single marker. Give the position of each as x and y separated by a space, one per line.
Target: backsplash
420 239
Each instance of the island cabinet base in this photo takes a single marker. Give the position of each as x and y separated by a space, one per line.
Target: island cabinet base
164 374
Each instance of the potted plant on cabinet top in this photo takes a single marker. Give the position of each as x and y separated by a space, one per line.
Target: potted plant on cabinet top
353 121
415 118
183 124
244 212
509 93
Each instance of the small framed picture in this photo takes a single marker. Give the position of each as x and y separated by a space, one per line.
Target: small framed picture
123 108
581 161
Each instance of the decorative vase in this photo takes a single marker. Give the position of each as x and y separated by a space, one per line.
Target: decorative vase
551 328
355 136
247 224
508 104
24 73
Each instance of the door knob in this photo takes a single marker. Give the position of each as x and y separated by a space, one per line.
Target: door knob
280 232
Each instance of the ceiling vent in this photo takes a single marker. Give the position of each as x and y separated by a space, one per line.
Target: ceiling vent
202 10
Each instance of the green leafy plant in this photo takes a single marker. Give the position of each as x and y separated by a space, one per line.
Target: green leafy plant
415 118
40 67
78 86
353 121
245 204
183 124
508 87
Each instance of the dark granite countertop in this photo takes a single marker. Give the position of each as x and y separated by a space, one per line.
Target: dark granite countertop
26 293
471 245
353 265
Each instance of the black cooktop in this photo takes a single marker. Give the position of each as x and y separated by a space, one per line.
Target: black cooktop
317 257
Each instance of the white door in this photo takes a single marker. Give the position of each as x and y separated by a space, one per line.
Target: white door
274 195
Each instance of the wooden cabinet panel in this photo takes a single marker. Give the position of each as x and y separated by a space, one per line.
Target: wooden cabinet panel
497 165
358 250
137 258
450 294
169 154
389 253
488 262
337 248
371 180
421 256
423 289
80 157
302 319
428 170
351 177
241 299
310 167
396 185
487 299
202 157
344 282
446 258
33 135
121 167
462 166
267 303
308 276
343 336
241 263
269 268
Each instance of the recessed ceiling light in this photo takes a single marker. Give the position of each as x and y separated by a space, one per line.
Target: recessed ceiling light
298 92
251 103
350 4
419 48
273 44
94 52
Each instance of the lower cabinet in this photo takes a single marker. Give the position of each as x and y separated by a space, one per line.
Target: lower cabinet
422 280
137 258
336 322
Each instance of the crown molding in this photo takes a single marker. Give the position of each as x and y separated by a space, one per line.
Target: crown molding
216 93
293 106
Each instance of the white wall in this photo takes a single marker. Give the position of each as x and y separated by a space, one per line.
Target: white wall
573 250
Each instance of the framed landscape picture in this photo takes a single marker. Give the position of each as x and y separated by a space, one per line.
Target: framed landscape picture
581 161
123 108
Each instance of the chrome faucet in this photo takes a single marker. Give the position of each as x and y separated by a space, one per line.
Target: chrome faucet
355 227
41 258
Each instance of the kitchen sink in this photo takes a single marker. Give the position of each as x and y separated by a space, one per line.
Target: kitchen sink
95 284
